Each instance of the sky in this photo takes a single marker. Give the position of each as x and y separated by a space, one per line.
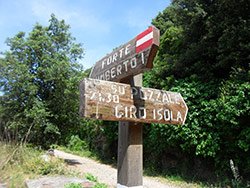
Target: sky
99 25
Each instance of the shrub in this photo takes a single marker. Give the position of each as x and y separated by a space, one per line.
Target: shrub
76 144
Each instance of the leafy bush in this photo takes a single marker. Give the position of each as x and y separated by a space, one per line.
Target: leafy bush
40 166
76 144
73 185
18 163
90 177
100 185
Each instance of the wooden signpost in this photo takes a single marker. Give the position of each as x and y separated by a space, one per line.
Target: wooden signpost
125 100
130 59
122 102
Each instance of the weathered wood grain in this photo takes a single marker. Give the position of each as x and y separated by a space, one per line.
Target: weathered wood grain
130 148
122 102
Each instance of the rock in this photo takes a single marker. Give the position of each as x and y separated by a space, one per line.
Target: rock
45 157
3 185
51 152
56 182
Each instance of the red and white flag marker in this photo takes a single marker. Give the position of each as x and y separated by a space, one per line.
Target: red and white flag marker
144 40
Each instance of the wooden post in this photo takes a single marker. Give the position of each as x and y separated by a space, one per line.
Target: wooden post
122 102
130 149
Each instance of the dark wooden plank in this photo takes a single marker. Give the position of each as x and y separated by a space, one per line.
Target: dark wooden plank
132 58
130 149
130 154
121 102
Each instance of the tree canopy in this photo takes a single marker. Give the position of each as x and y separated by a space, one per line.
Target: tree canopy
39 76
204 55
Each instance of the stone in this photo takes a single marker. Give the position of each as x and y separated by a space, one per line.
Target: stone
57 182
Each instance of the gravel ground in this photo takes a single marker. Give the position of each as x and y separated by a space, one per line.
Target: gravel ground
105 173
3 185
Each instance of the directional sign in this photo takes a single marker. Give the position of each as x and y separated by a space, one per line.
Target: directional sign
121 102
132 58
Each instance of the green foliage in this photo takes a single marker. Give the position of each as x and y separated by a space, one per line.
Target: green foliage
78 185
40 166
76 144
73 185
19 163
100 185
100 138
90 177
39 77
203 56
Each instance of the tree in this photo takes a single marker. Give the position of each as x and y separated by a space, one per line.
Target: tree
204 54
39 76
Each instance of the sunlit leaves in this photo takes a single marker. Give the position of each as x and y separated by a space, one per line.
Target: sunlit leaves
40 76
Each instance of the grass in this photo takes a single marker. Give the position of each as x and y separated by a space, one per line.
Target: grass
18 163
89 177
174 179
78 185
92 178
187 182
177 180
73 185
81 153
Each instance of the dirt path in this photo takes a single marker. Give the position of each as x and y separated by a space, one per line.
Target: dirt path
105 173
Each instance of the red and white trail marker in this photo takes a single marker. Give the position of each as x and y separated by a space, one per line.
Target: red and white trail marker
144 40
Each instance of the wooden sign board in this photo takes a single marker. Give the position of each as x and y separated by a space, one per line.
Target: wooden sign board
130 59
121 102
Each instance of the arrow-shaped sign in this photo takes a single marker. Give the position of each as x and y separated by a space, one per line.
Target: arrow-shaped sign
130 59
121 102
